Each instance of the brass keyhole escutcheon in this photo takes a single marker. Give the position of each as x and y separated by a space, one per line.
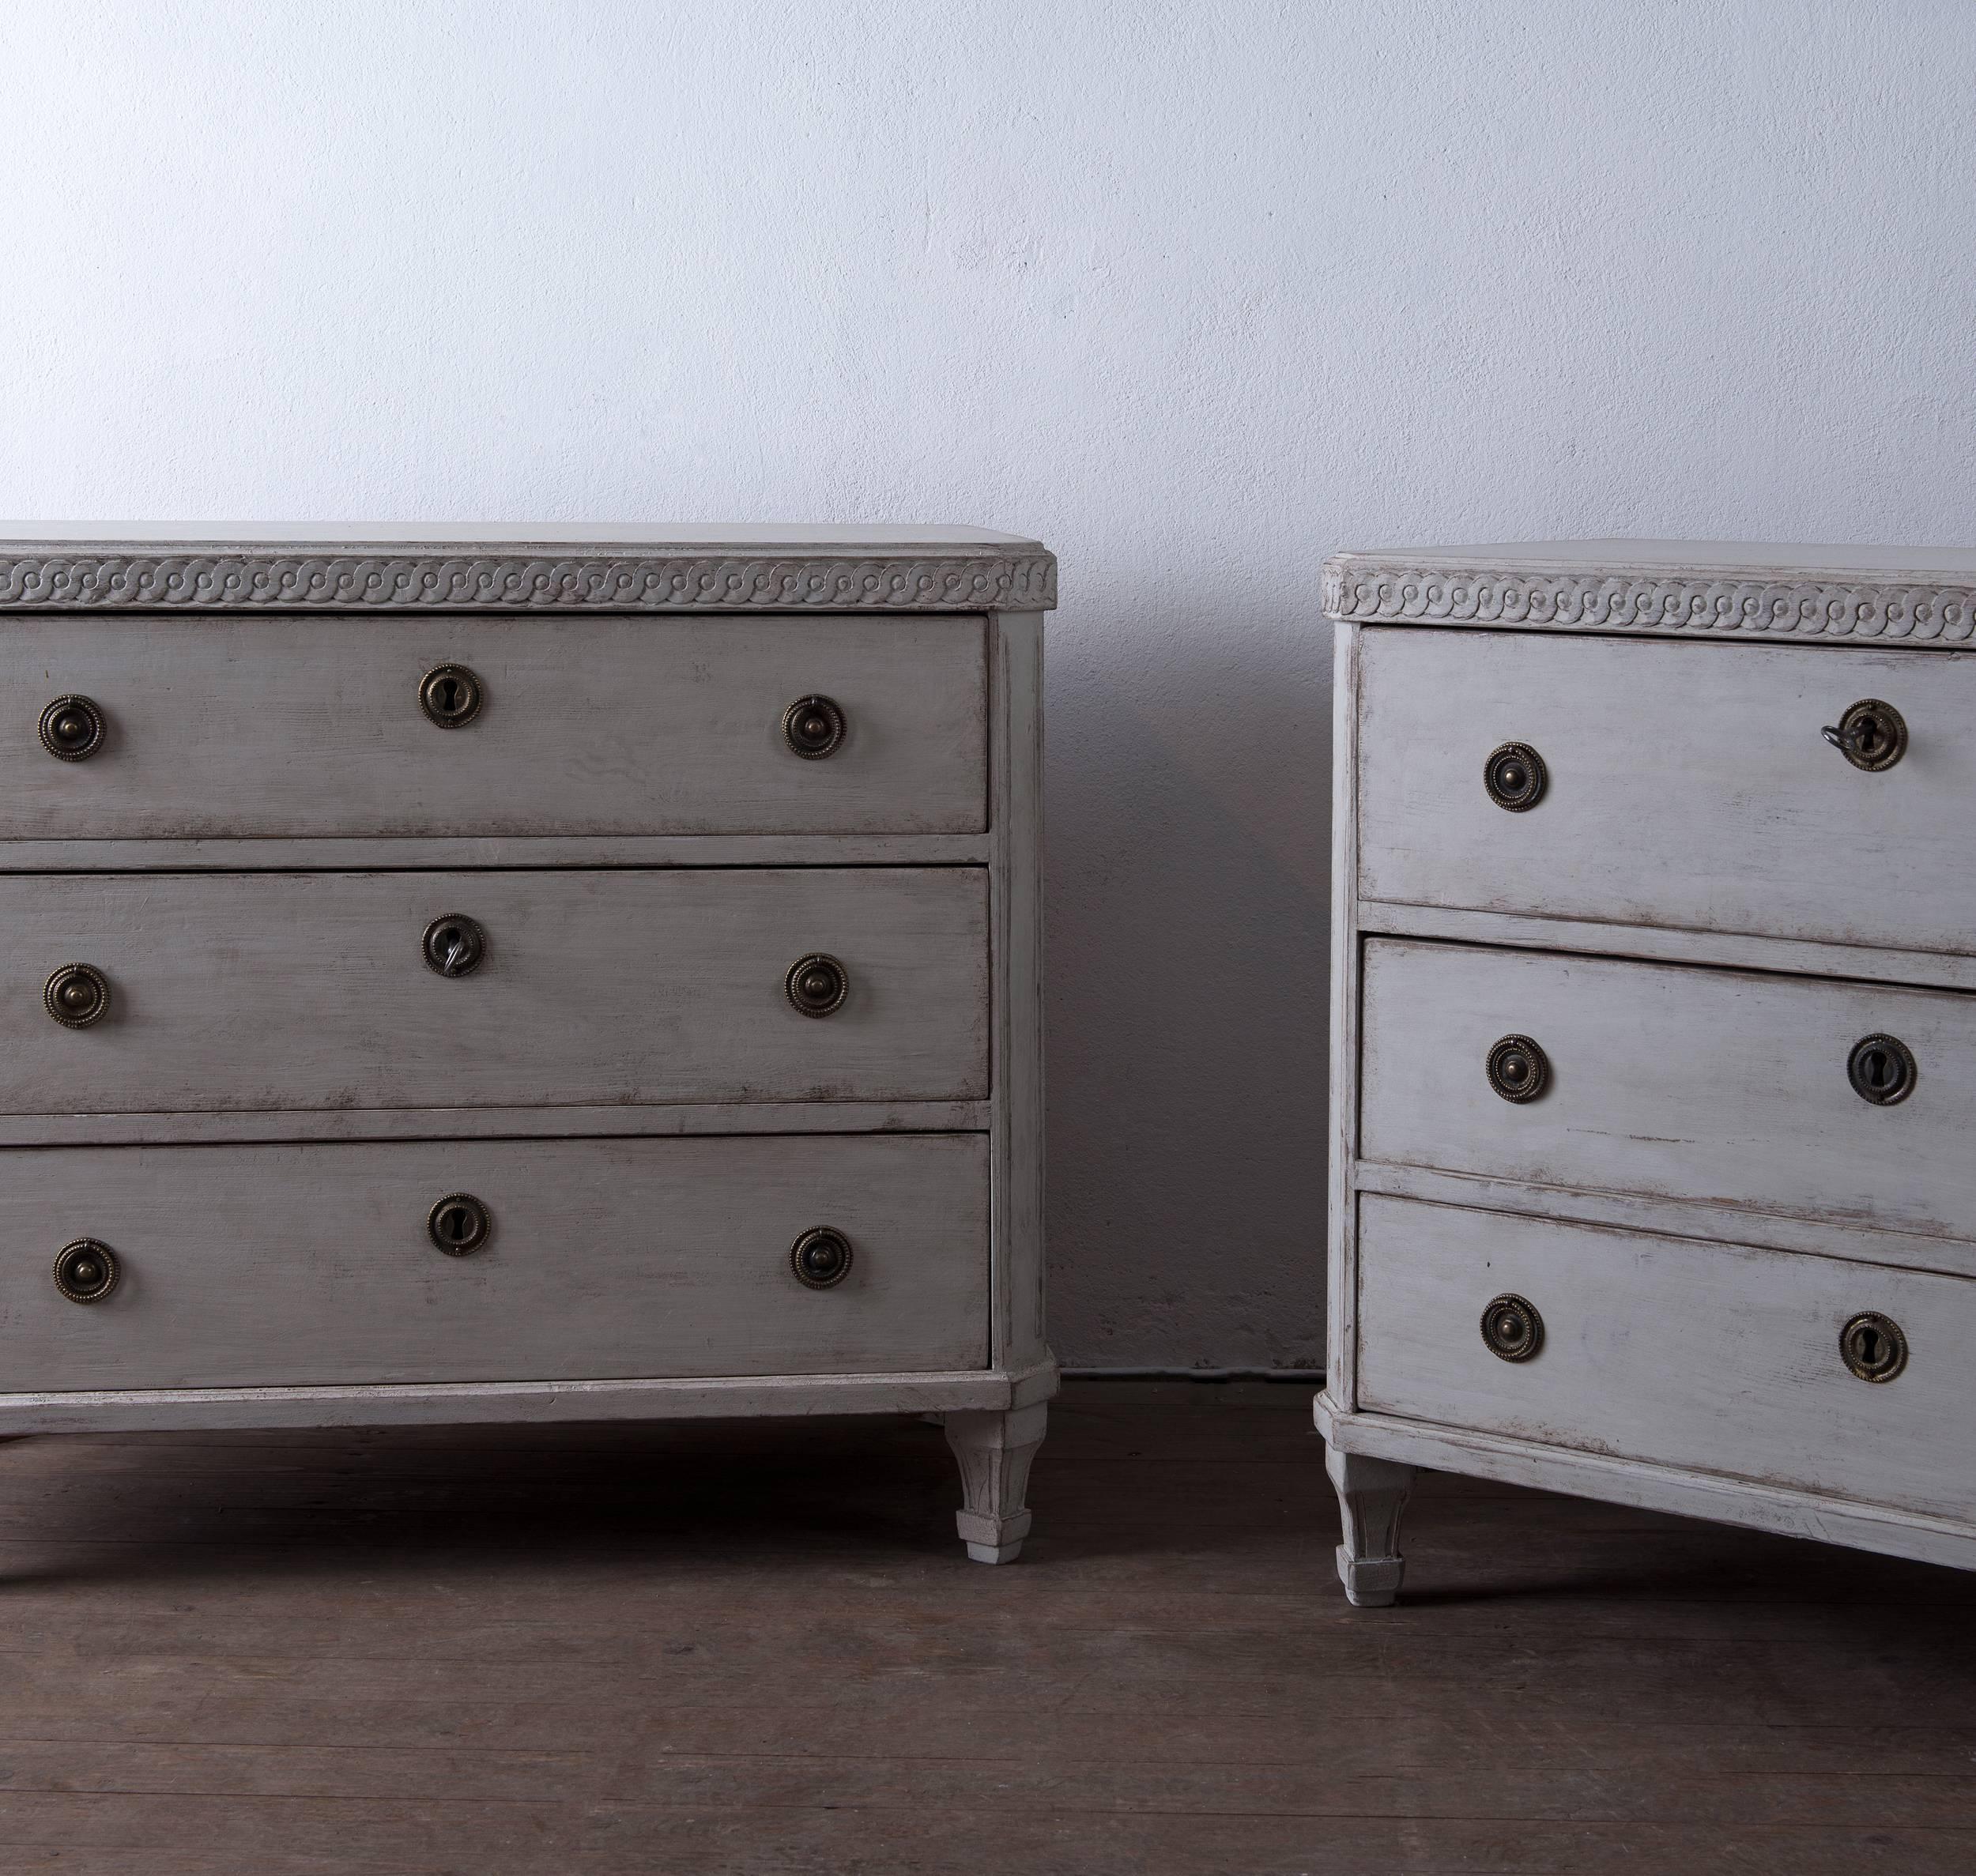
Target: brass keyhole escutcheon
77 995
72 729
451 695
814 727
86 1271
817 984
1518 1070
1512 1329
1515 777
459 1224
454 945
1881 1069
820 1258
1874 1346
1872 734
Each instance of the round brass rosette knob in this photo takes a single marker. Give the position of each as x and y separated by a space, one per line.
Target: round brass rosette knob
451 695
1515 777
1512 1329
454 945
85 1272
817 984
820 1258
459 1224
1518 1070
814 727
77 995
72 729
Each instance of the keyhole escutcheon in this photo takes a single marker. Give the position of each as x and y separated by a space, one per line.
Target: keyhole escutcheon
1874 1346
459 1224
1881 1069
451 695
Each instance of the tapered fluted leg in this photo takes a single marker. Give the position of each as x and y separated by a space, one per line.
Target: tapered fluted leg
1372 1493
995 1450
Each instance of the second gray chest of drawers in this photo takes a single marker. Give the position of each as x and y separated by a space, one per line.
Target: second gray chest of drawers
582 975
1654 1051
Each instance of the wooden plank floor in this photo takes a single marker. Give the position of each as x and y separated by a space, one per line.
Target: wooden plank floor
606 1651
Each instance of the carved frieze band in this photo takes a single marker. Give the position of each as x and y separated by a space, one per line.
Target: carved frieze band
1798 608
63 580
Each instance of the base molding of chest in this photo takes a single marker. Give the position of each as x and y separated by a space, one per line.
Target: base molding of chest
189 1410
1650 1487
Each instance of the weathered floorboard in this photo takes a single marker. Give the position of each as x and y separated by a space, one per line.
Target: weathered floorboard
714 1647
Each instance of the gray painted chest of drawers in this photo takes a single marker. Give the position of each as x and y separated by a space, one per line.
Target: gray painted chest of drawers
543 974
1653 1067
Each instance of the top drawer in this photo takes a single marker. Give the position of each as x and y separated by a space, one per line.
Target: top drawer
246 727
1687 786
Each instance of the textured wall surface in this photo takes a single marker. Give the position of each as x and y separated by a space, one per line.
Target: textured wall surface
1195 291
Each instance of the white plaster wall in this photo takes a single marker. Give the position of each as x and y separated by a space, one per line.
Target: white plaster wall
1195 291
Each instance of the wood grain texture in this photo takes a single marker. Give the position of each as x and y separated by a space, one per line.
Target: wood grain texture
1708 1357
1688 786
254 1266
227 727
1670 945
496 1122
754 1650
1671 1216
442 852
1723 1088
310 991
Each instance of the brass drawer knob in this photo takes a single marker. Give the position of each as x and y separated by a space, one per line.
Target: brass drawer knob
1881 1069
817 984
454 945
1872 734
71 729
459 1224
1518 1070
1515 777
1512 1329
85 1272
77 995
814 727
451 695
820 1258
1873 1347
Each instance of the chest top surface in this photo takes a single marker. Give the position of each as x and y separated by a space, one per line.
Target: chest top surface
1919 596
66 567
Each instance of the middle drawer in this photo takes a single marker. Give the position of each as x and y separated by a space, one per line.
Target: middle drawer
314 990
1673 1081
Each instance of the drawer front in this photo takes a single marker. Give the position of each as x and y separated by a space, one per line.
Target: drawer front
1721 1086
312 990
247 1266
247 727
1700 1355
1687 786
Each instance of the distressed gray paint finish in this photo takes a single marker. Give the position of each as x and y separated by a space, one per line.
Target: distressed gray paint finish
249 1266
1689 786
311 990
1715 1088
234 726
283 1088
1715 1357
1700 1200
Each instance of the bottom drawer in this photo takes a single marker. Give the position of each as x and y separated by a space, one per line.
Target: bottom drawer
606 1259
1711 1357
